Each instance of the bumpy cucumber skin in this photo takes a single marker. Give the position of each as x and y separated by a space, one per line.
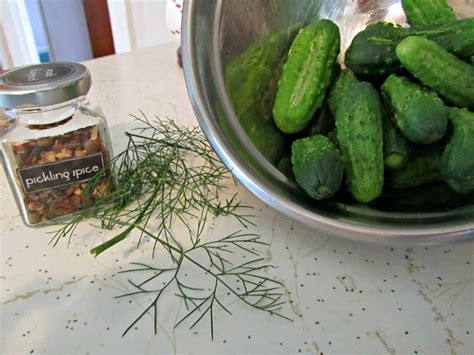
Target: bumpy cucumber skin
344 81
428 12
318 166
360 137
457 163
395 147
372 52
438 69
251 84
306 75
423 168
419 114
322 122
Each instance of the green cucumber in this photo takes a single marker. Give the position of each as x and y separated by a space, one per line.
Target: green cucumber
251 85
306 76
343 82
322 123
360 137
428 12
318 166
438 69
372 52
419 114
457 164
423 168
395 147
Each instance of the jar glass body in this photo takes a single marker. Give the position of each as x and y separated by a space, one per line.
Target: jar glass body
51 153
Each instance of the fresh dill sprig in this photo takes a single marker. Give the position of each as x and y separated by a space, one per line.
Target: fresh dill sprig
171 171
242 282
167 178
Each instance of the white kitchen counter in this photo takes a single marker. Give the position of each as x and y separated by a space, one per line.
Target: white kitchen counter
344 297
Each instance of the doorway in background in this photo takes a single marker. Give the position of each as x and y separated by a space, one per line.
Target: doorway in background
34 31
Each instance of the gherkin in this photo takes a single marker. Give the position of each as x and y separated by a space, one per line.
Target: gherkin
360 137
306 76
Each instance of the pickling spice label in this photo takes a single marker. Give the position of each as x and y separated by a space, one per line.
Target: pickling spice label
65 172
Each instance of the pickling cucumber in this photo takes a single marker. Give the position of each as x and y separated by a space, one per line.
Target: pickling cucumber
428 12
251 81
372 52
360 137
306 75
457 163
395 147
343 81
318 166
438 69
423 168
419 114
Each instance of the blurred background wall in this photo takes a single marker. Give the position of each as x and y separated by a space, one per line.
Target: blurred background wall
34 31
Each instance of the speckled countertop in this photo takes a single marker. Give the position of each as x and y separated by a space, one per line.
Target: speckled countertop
343 297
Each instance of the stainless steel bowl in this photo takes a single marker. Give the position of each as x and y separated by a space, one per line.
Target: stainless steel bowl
218 32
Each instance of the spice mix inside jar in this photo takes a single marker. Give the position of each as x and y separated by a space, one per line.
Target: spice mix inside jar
57 141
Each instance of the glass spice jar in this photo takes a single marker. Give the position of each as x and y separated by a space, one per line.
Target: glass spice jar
56 141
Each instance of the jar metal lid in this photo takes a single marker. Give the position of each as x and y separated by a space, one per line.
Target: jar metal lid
43 84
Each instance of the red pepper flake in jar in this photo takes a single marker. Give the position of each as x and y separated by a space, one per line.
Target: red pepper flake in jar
59 141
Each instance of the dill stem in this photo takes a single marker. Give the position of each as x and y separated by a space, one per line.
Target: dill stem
117 239
156 140
110 243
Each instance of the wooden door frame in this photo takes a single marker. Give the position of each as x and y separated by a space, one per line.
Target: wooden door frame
99 26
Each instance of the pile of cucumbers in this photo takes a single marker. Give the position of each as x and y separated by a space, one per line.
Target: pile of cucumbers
400 114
